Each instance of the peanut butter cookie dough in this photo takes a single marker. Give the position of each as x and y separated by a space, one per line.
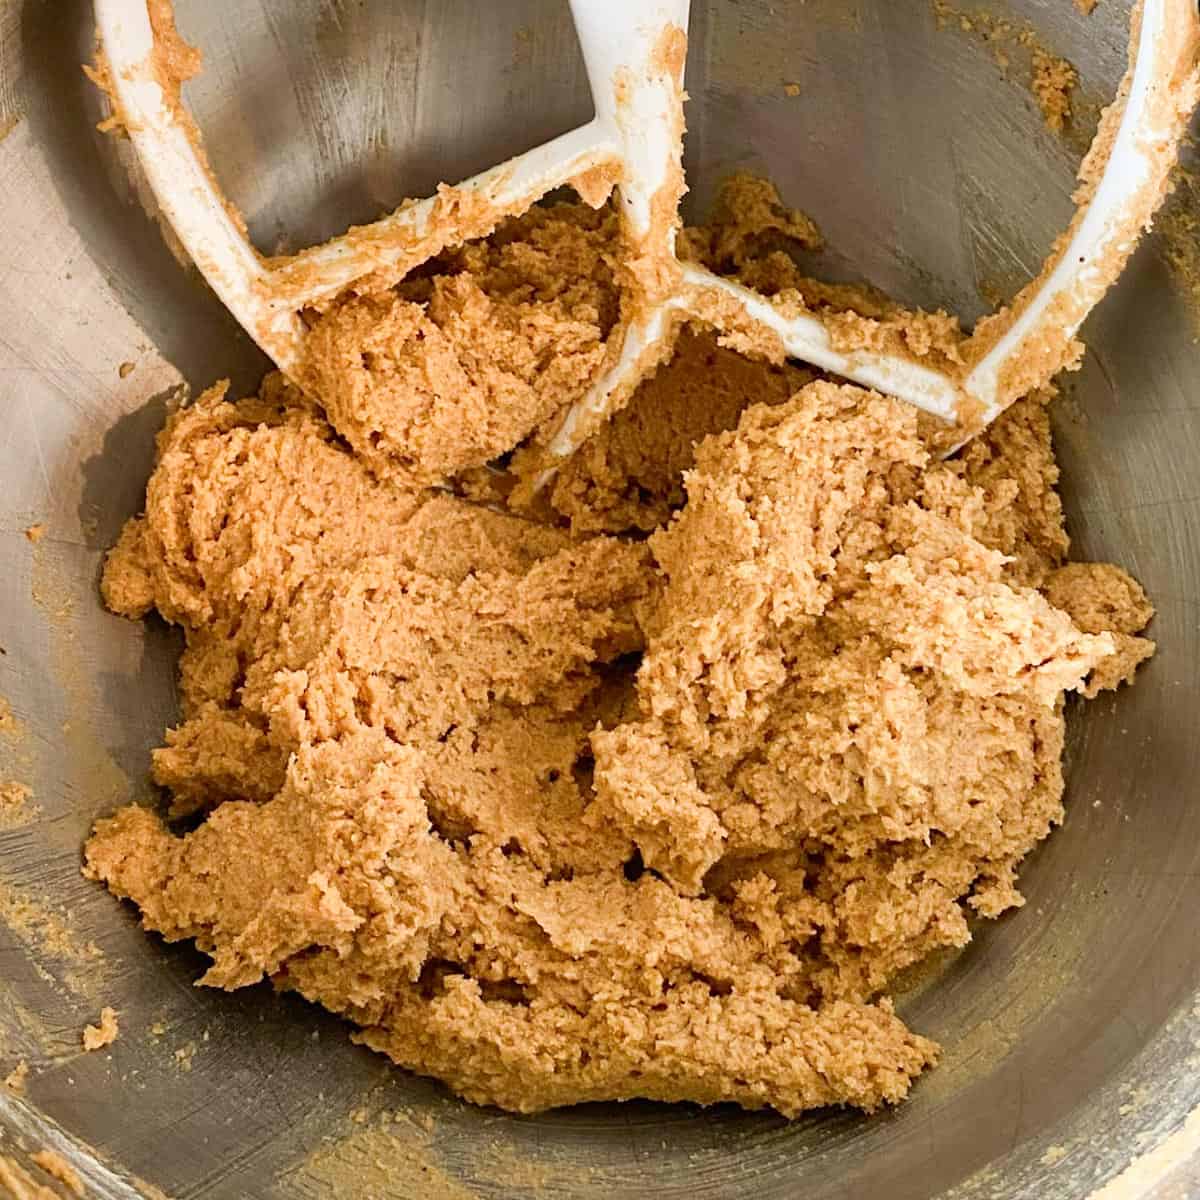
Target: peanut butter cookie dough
651 792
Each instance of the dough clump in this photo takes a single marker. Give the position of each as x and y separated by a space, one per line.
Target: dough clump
467 358
653 792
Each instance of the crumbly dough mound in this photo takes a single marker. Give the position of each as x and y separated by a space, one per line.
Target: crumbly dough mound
556 814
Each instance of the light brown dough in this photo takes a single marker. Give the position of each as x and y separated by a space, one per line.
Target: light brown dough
1054 81
57 1167
629 477
556 812
104 1033
488 346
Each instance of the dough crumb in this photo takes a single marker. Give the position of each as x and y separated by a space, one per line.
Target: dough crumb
96 1037
1086 7
17 1078
35 533
58 1168
14 804
1054 81
126 369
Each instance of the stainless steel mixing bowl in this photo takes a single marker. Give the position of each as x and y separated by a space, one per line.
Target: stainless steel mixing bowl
1071 1027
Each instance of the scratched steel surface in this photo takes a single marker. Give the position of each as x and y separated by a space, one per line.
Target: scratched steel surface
1070 1027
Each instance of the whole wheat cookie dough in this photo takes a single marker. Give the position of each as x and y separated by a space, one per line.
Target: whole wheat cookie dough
651 790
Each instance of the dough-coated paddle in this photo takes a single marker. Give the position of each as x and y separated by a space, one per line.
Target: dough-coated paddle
635 51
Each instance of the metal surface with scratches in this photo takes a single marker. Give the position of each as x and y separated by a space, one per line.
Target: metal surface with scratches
1071 1028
